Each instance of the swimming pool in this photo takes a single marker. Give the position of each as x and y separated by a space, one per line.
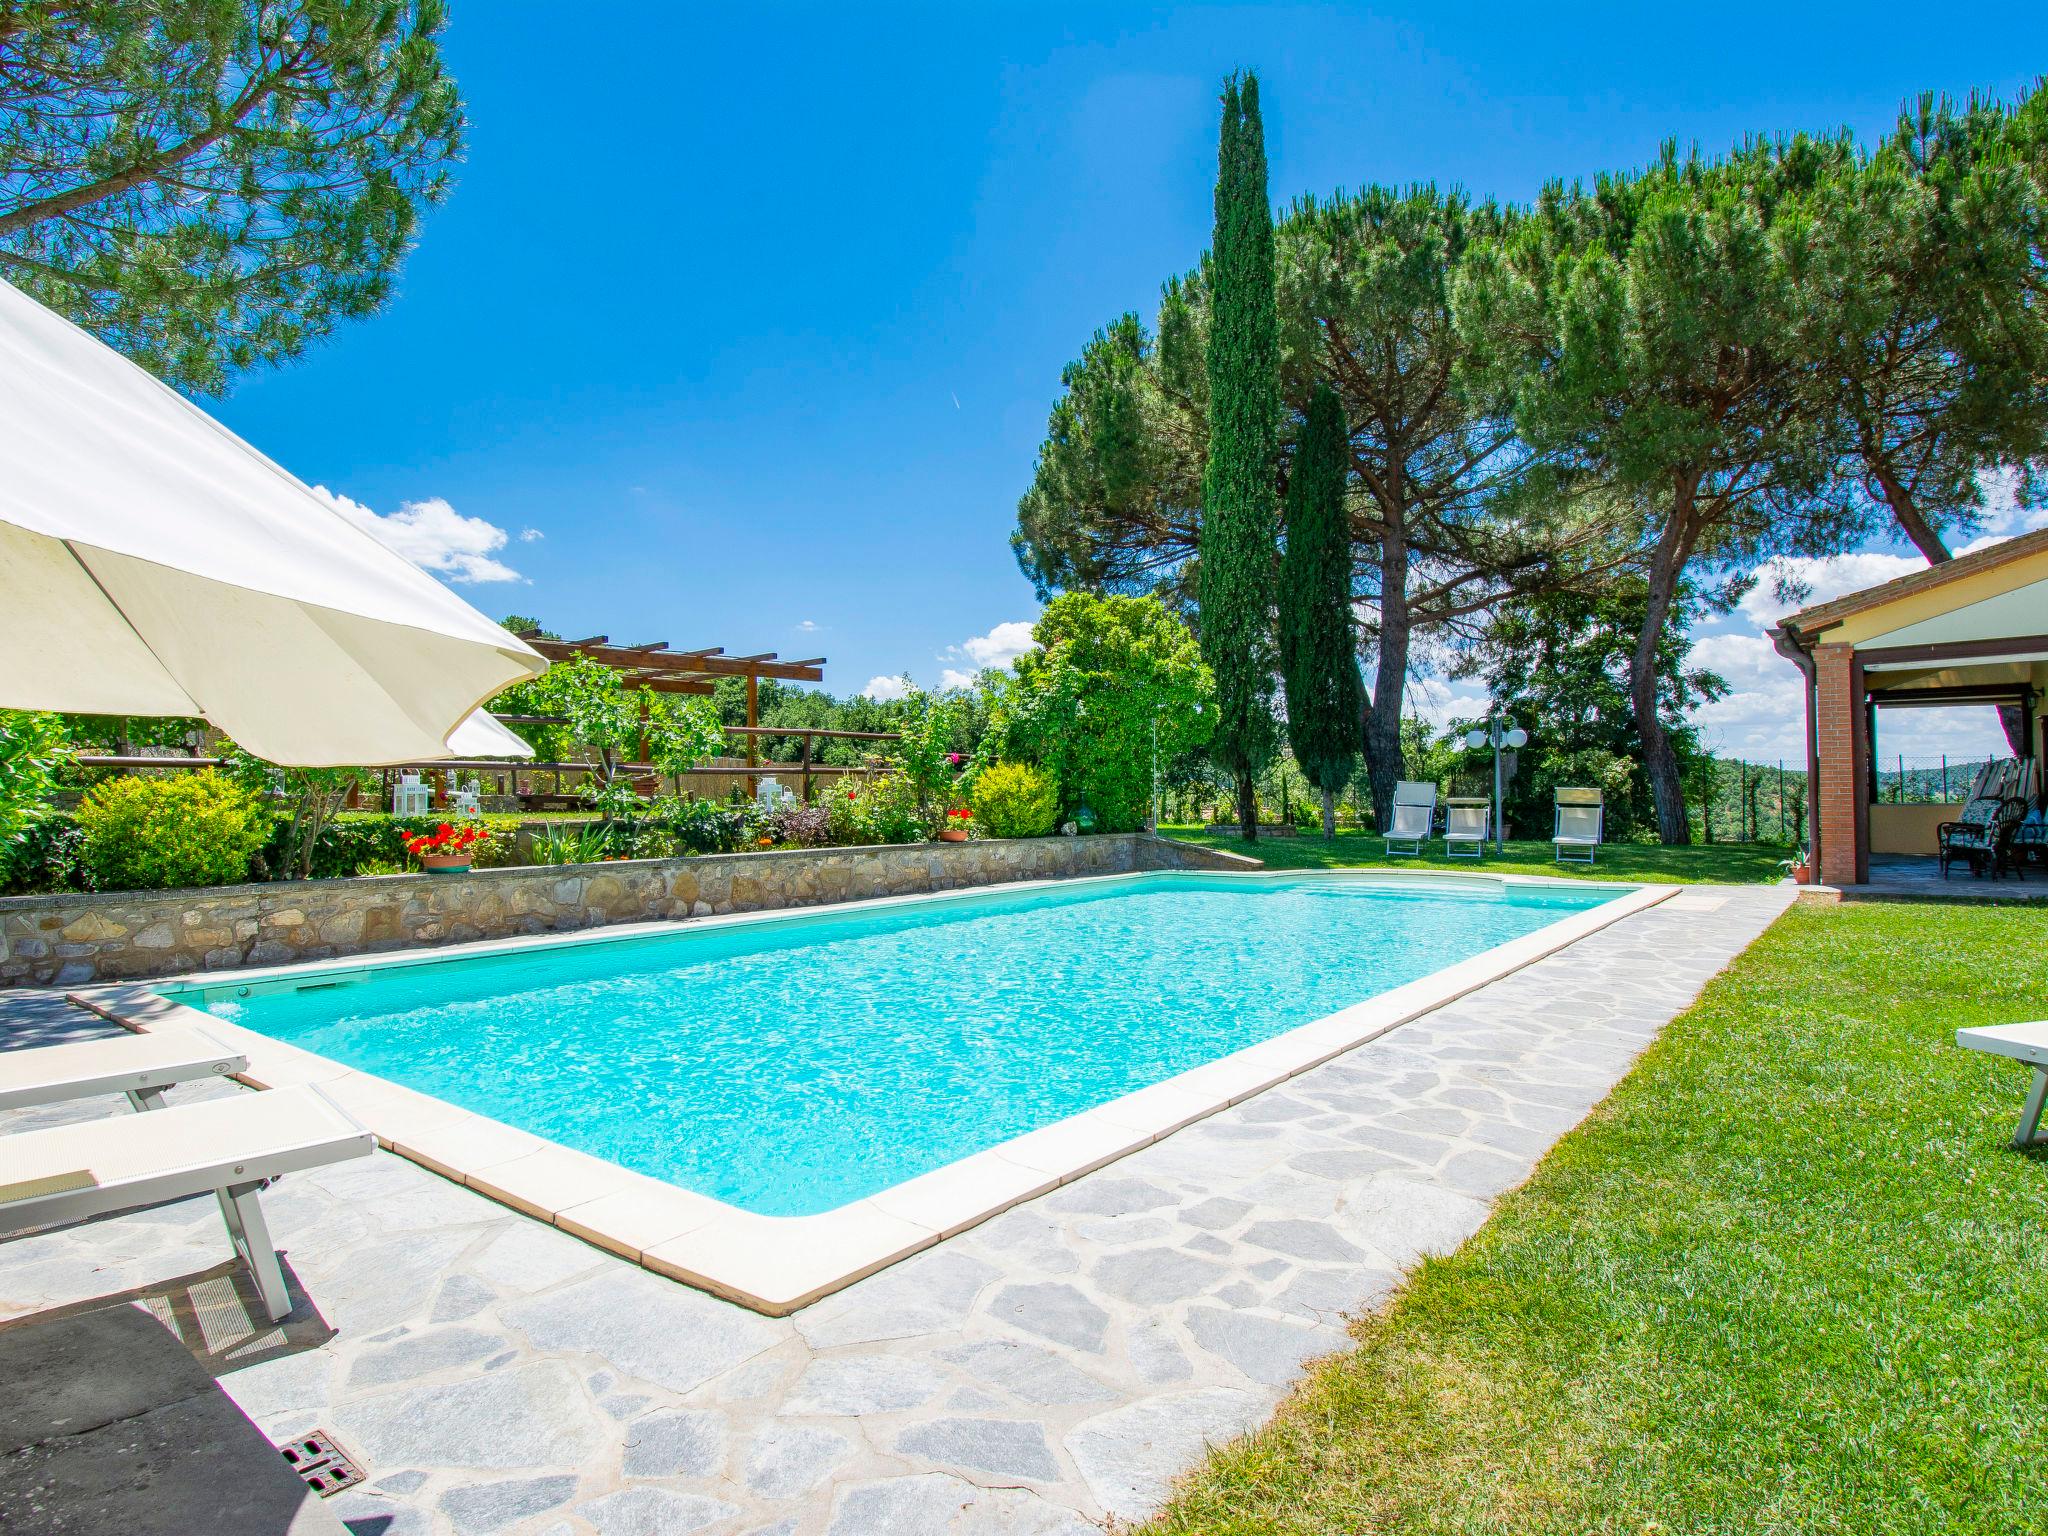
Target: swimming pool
794 1065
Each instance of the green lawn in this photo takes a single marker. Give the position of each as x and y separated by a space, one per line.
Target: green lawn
1788 1279
1716 864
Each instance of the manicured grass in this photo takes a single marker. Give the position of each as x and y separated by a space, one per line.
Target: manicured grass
1790 1278
1714 864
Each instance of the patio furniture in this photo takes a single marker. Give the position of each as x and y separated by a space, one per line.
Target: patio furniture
1982 835
140 1066
2022 1042
1581 814
1465 828
71 1173
1414 817
2030 841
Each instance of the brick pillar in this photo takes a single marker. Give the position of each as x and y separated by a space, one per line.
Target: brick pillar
1844 751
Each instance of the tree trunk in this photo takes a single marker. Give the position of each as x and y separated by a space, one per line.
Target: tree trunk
1906 511
1390 681
1248 806
1329 815
1660 761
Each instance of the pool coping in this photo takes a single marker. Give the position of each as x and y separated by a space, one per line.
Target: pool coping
779 1264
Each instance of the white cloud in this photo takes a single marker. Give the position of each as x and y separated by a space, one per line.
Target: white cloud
1440 703
1822 579
883 689
433 536
953 677
529 535
808 626
998 648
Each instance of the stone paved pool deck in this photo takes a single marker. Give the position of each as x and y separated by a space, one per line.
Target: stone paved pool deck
1042 1374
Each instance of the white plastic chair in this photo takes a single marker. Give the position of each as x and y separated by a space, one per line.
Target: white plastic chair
1580 813
1465 828
1414 816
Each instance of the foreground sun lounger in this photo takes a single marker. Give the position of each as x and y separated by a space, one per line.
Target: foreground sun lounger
72 1173
2022 1042
139 1065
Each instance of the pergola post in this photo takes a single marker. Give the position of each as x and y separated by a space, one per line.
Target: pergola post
1842 725
753 722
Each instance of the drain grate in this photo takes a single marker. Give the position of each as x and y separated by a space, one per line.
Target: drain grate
322 1465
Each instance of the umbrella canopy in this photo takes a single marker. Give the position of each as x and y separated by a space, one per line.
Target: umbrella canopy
153 563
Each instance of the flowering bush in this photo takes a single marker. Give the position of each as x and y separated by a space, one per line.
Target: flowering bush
446 840
883 809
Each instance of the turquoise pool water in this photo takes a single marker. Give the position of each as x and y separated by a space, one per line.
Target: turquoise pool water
792 1066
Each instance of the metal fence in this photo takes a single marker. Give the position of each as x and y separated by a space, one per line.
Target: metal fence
1926 780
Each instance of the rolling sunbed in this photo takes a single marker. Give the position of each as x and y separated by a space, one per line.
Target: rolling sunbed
71 1173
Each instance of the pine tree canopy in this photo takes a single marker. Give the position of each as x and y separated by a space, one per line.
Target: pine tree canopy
212 184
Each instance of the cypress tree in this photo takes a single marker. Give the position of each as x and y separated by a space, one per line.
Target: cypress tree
1234 572
1318 643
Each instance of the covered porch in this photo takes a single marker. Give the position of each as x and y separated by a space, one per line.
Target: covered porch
1972 631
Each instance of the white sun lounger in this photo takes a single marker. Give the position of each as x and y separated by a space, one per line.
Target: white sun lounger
2022 1042
139 1065
1465 828
72 1173
1414 814
1580 813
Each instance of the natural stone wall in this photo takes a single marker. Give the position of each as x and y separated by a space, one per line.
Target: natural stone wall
71 939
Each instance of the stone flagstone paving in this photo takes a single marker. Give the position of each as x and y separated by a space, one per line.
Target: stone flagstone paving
1043 1374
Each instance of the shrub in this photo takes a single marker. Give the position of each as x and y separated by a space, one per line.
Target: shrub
150 834
47 855
883 809
701 826
801 826
1015 800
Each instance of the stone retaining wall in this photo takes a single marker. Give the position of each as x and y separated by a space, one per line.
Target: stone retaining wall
70 939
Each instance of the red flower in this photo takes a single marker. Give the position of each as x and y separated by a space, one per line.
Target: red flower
962 813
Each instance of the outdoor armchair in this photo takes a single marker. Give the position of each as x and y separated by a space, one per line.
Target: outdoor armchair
1982 835
1581 813
1414 817
1465 828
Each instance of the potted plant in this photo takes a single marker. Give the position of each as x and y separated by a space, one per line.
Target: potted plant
1799 868
447 850
955 829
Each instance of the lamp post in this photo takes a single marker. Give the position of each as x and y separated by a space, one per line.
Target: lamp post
1497 733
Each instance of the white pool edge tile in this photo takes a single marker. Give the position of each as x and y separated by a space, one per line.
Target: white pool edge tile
779 1264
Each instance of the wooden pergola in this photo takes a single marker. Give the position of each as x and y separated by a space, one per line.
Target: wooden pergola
660 668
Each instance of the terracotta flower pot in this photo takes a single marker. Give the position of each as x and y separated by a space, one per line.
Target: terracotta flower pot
953 835
446 863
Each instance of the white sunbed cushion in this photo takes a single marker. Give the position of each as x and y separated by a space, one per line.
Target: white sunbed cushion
116 1064
123 1161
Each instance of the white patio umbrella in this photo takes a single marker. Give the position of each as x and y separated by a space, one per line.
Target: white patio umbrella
153 563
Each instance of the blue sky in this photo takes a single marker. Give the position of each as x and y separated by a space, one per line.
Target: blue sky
742 323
